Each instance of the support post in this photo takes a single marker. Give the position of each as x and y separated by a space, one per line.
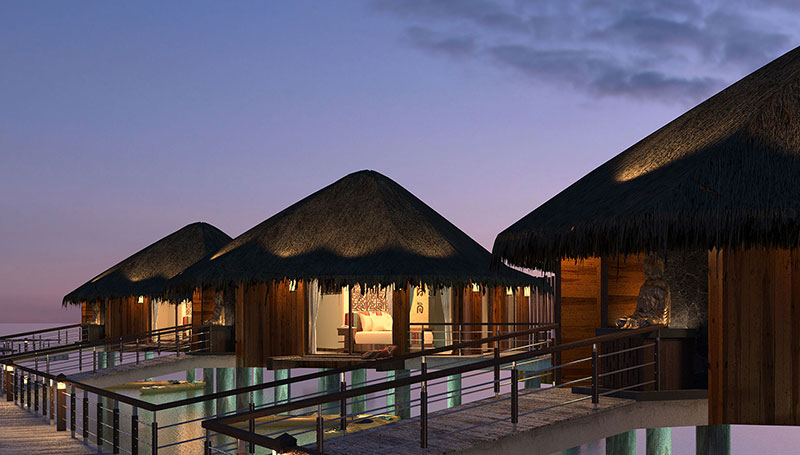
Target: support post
621 444
85 429
358 378
72 411
659 441
282 392
154 435
657 367
320 430
713 440
35 395
454 390
242 380
99 419
252 424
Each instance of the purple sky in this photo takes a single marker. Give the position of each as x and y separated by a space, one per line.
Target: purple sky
122 122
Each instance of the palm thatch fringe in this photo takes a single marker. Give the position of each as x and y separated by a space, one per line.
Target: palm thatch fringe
364 229
146 272
724 174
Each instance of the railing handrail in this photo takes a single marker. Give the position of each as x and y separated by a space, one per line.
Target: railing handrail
482 323
102 342
242 390
220 422
35 332
366 363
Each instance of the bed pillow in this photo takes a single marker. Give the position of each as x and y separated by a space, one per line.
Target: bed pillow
366 321
383 322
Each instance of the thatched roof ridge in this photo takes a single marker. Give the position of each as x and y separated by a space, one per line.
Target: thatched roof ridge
724 174
145 273
363 228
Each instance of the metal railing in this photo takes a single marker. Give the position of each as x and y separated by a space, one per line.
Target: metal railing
459 332
418 394
125 424
41 339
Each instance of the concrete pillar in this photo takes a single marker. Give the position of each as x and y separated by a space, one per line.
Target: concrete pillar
225 381
101 359
659 441
621 444
208 378
282 392
325 385
258 378
243 379
713 440
397 399
191 376
454 390
357 378
147 356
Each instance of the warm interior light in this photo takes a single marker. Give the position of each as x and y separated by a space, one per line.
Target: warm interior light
527 291
509 291
141 299
292 285
61 386
476 288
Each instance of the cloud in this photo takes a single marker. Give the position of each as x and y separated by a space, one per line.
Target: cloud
453 46
676 51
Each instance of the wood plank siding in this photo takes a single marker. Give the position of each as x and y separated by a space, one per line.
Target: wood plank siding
754 337
127 316
270 321
591 290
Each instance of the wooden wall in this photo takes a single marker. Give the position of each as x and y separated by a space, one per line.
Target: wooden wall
595 292
126 316
401 312
271 321
87 313
754 337
202 305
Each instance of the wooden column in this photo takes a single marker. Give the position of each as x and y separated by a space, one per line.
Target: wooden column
401 306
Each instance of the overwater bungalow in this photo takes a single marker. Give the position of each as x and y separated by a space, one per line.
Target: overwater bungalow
714 195
128 297
359 265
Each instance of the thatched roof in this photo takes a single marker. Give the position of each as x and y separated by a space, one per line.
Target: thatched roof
146 272
364 229
724 174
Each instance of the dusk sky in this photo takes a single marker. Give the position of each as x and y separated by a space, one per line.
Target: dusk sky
121 122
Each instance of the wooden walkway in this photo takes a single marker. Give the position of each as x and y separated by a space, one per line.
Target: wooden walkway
23 432
398 437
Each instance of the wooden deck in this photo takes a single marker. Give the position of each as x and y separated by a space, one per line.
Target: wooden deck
398 437
23 432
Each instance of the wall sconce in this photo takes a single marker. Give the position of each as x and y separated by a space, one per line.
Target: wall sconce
476 287
141 299
527 291
292 285
61 386
509 291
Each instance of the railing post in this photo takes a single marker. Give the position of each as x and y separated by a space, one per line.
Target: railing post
423 406
45 393
657 359
320 430
85 426
80 359
72 412
121 346
135 431
595 376
26 391
35 395
115 427
53 401
15 385
99 419
61 404
496 370
252 424
8 387
343 404
94 359
137 351
154 435
48 363
207 443
514 393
